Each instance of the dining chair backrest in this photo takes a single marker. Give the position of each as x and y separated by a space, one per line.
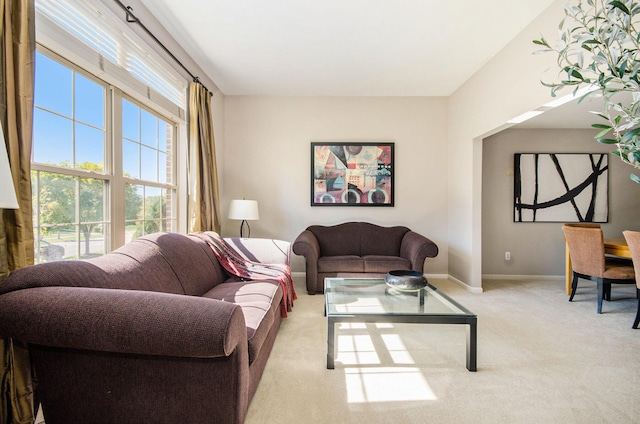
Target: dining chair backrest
633 240
583 224
586 249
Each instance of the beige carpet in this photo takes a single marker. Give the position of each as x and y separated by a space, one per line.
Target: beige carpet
541 359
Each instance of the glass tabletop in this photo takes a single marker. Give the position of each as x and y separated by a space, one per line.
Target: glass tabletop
372 296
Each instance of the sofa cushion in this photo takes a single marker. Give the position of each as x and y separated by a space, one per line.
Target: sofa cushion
191 260
346 263
378 263
161 262
136 267
259 300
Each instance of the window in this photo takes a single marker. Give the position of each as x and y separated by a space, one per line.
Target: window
147 142
88 198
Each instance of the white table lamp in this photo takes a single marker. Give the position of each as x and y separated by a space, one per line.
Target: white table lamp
8 198
245 210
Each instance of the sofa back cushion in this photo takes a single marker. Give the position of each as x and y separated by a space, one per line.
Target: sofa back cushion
358 238
161 262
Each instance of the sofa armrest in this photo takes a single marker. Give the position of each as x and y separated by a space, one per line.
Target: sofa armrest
306 244
123 321
416 248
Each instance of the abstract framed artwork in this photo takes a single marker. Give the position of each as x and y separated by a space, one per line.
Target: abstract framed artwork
352 174
561 187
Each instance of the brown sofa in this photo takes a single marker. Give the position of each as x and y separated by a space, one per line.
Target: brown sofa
360 249
153 332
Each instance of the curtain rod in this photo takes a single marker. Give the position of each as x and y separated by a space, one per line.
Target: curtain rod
131 18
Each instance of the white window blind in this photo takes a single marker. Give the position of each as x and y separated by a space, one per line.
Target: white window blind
98 40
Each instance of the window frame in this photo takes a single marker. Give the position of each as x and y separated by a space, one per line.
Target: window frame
113 176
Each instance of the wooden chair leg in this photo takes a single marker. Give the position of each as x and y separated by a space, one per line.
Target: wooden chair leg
574 286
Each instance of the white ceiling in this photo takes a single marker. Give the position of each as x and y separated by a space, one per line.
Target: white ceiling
352 47
343 47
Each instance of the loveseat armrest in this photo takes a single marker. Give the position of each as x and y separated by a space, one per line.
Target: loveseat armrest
416 248
306 244
123 321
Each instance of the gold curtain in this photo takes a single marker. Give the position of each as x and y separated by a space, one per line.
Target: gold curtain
17 53
204 203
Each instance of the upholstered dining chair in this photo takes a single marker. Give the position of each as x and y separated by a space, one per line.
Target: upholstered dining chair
633 240
588 261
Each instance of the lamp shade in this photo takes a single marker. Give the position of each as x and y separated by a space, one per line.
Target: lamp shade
8 198
246 210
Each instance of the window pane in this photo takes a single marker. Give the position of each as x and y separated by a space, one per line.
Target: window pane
52 139
89 148
71 216
131 159
89 101
92 193
152 203
93 242
130 121
55 216
134 195
149 133
57 199
149 164
131 231
53 86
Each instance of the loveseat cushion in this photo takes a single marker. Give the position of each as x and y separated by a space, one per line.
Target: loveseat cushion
384 241
337 240
344 263
358 238
382 264
259 300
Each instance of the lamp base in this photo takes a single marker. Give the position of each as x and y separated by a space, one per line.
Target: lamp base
242 229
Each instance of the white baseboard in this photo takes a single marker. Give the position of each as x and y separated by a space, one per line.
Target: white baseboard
466 286
437 276
522 277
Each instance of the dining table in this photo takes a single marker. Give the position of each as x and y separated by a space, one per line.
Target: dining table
616 246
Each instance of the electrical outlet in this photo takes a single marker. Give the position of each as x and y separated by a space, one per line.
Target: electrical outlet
507 256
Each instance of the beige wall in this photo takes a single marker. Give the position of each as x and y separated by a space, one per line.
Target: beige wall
507 86
538 248
267 158
263 150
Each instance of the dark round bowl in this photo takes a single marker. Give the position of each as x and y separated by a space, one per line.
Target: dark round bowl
406 280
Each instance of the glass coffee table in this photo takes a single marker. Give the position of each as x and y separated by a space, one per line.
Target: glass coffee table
371 300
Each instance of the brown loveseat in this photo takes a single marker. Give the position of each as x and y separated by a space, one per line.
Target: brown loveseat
360 248
154 332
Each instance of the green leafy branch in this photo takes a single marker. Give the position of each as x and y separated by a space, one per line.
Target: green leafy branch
599 48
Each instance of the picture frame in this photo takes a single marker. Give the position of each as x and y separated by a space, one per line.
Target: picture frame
561 187
352 174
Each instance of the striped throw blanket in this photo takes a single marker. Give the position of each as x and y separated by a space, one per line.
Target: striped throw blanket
246 269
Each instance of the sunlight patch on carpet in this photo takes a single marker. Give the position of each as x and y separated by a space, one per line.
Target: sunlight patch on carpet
397 350
357 350
387 384
371 346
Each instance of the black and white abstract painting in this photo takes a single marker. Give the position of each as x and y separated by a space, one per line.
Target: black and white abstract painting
560 187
